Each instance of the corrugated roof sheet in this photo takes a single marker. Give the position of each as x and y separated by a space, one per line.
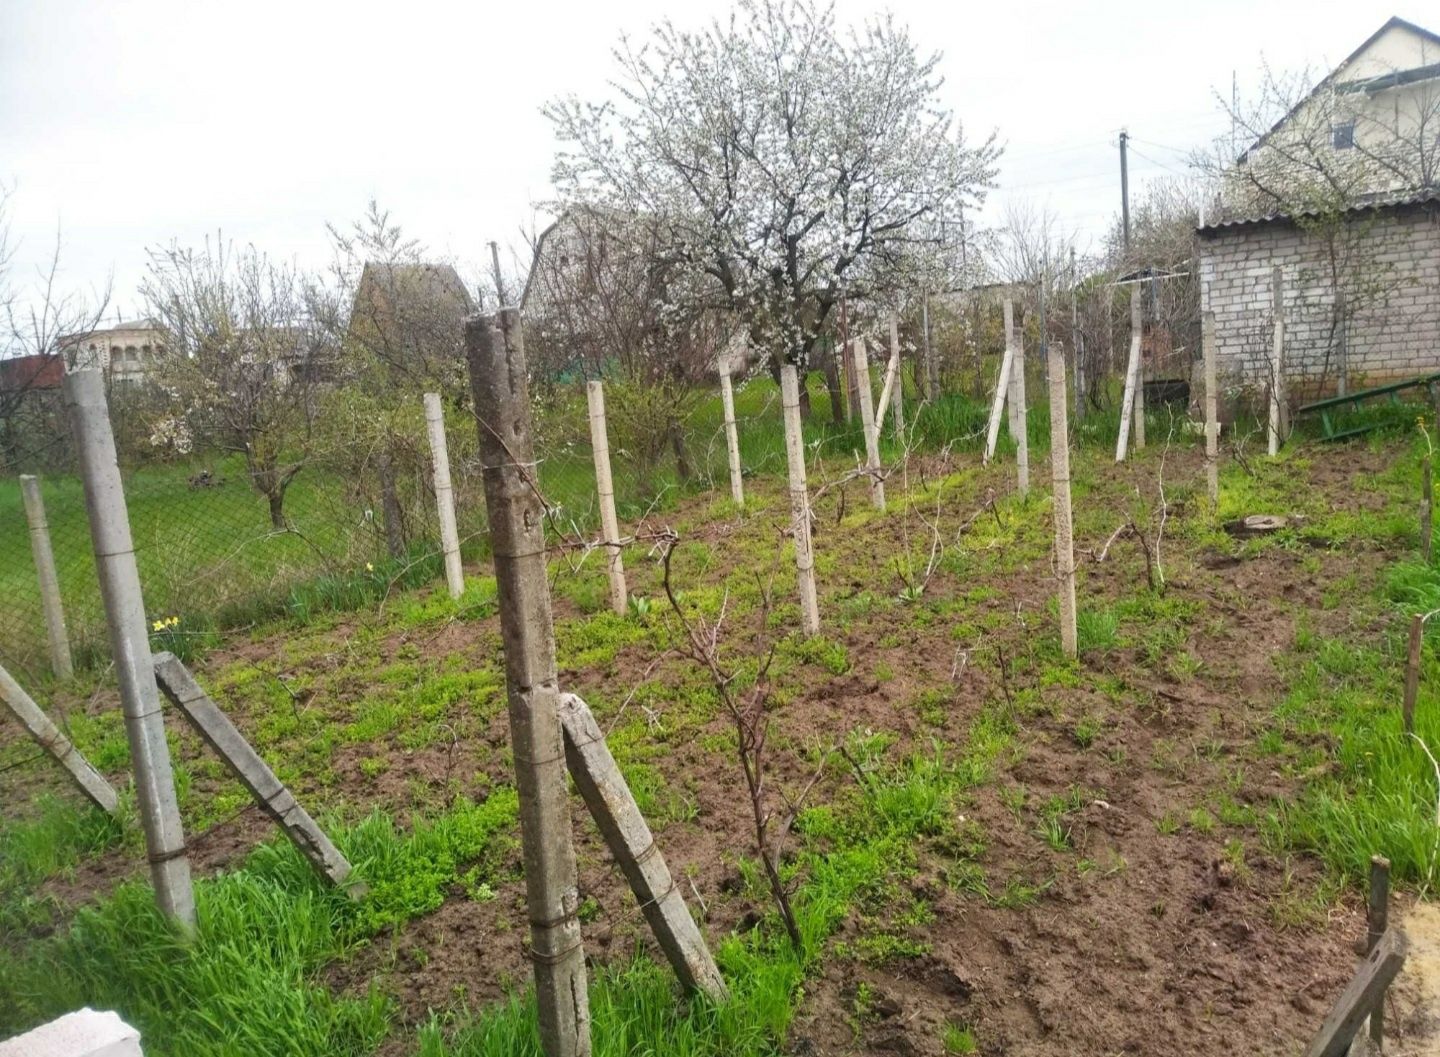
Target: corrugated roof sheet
1371 203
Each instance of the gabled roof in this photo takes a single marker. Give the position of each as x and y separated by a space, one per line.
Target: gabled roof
1394 22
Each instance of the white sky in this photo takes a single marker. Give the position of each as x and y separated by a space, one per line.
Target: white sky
128 124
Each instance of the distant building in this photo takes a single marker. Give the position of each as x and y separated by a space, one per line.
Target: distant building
1361 266
126 351
411 317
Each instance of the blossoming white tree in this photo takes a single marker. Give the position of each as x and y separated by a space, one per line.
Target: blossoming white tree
785 163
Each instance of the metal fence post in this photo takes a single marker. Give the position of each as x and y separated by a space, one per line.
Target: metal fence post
444 494
58 637
130 645
496 357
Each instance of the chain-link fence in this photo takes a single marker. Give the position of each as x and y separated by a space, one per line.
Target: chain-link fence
357 520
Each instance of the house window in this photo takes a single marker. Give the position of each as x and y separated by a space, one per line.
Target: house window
1342 135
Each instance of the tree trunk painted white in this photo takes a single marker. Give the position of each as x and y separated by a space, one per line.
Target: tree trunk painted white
630 841
867 422
496 355
55 633
605 486
895 381
1132 377
444 494
732 438
1060 479
130 646
799 500
1277 361
1002 387
33 718
1212 407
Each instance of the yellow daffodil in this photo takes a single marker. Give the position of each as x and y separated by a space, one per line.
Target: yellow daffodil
369 567
158 625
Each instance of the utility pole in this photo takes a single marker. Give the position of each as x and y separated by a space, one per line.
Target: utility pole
1125 188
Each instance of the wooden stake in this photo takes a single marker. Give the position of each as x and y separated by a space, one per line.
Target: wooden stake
52 740
1132 377
1377 920
799 500
605 486
273 798
55 633
1060 477
1002 387
496 357
1412 672
1277 360
1212 407
629 839
130 647
1364 993
867 422
732 438
444 494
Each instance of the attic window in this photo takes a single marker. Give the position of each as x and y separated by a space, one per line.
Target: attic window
1342 135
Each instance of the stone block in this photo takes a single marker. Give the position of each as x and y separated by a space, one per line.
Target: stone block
84 1033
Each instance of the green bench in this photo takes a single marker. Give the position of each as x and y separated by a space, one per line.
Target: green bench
1353 401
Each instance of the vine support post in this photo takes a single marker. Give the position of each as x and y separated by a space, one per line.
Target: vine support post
130 646
55 633
732 437
867 422
799 500
496 357
1060 478
605 487
444 494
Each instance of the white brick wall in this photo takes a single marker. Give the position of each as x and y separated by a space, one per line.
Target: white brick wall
1393 282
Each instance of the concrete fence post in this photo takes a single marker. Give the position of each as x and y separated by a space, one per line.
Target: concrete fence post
130 646
895 380
1132 378
59 639
495 353
605 488
732 437
1212 407
1022 416
1060 479
444 494
1277 361
867 422
1002 385
273 798
33 718
799 500
630 841
1013 338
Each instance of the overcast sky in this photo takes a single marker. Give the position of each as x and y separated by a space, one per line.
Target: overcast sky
130 124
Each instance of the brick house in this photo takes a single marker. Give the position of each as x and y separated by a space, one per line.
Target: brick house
1360 268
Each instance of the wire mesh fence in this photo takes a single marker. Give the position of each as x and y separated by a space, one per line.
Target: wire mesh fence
358 521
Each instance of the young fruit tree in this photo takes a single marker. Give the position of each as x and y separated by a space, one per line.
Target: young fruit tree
241 359
783 163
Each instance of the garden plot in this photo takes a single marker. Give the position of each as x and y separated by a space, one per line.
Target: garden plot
1153 849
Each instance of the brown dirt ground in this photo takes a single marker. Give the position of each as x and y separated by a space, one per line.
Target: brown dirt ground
1164 948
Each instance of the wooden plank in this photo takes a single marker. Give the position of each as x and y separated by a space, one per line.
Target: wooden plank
273 798
1362 995
626 833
